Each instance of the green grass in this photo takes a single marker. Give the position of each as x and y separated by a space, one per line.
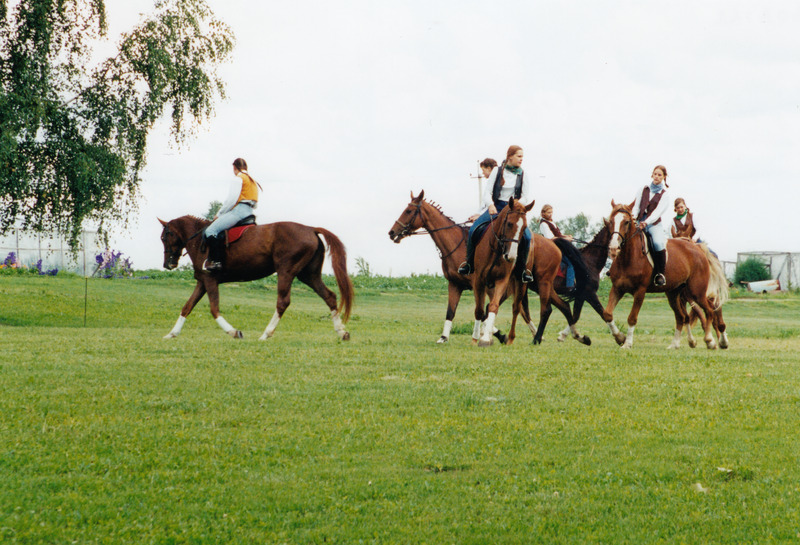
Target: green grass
109 434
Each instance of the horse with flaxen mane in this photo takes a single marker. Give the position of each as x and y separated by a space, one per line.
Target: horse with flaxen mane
450 239
495 257
289 249
688 273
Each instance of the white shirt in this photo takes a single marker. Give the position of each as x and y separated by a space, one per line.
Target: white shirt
234 190
507 190
663 204
544 230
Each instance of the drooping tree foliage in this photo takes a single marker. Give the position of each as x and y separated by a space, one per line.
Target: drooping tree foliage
73 129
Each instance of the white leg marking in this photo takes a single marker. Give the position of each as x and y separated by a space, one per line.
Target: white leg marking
228 328
476 330
337 324
629 337
488 325
448 325
176 329
562 335
676 340
532 326
612 326
723 342
273 323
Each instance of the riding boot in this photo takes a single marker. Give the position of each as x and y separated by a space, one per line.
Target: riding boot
659 264
522 261
468 266
215 250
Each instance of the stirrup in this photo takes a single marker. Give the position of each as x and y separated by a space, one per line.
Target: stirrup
212 265
465 269
659 280
526 277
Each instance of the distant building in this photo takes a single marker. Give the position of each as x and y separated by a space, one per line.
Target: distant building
29 247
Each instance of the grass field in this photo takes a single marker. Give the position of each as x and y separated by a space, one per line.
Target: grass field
110 434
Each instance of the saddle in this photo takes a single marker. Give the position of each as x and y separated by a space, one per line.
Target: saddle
648 249
234 233
477 235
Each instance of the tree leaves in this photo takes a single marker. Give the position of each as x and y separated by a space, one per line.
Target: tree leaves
73 136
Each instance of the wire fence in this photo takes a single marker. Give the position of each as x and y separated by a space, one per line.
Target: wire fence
52 250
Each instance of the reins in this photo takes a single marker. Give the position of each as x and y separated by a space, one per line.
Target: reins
407 232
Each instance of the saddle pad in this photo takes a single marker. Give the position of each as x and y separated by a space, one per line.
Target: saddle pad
233 234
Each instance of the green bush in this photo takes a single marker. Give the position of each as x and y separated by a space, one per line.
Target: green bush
750 270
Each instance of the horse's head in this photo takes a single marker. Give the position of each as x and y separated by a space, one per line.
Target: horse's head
173 246
510 225
409 221
621 225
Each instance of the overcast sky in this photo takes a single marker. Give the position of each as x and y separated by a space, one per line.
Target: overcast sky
343 108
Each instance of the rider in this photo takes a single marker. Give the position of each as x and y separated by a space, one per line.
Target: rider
550 230
495 197
486 168
240 203
683 223
650 205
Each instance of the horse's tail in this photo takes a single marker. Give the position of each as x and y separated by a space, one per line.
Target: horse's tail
582 274
717 281
339 263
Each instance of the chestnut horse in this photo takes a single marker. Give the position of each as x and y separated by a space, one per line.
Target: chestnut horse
290 249
450 239
495 257
544 261
688 273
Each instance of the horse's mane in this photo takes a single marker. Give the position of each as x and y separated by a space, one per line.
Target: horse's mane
438 208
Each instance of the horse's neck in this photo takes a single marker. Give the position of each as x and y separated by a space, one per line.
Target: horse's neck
444 231
595 253
190 227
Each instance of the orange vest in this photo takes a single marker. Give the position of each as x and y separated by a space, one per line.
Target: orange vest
249 188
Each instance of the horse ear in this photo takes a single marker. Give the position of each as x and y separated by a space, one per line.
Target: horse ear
164 223
511 203
421 195
613 204
630 206
530 206
607 223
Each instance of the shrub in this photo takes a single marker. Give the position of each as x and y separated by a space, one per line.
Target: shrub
111 264
750 270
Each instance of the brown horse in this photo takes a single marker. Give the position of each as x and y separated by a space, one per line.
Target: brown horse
290 249
693 314
495 257
450 239
688 273
544 261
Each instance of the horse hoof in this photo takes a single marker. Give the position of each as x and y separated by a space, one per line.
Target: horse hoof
502 338
537 340
561 338
673 347
692 343
723 346
441 340
236 334
346 336
586 340
626 346
474 342
711 346
484 344
620 340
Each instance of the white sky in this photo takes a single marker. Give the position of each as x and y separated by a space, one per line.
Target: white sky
342 108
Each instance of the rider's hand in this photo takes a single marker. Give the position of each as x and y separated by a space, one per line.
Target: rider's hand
473 217
492 209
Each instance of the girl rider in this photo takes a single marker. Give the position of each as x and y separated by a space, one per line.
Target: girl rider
650 205
240 203
495 197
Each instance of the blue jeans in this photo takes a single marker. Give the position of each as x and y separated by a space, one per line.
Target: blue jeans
229 219
569 271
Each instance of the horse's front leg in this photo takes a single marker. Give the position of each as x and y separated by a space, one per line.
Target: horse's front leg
638 299
213 300
520 293
494 305
608 315
453 297
197 294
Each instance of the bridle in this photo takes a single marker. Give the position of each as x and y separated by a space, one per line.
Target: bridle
407 230
631 234
183 251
